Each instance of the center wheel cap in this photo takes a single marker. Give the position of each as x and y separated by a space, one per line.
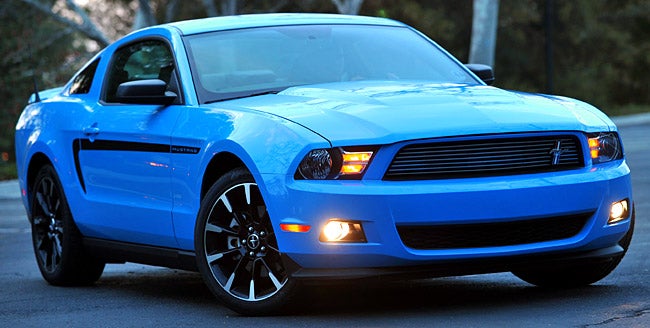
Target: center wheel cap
253 241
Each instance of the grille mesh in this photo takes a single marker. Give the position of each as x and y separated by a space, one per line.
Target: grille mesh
492 234
476 158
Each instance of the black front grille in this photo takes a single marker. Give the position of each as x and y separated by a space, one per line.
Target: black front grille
492 234
485 157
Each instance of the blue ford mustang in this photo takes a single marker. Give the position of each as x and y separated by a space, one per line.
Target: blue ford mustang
268 150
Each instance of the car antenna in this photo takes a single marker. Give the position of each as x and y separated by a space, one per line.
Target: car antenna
37 98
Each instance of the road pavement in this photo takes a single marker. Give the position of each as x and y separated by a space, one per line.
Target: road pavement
134 295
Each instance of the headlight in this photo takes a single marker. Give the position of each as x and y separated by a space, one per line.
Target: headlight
604 147
317 165
334 163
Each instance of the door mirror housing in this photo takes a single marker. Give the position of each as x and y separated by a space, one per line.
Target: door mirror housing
484 72
153 92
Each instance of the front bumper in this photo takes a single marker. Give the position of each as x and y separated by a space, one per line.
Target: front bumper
381 206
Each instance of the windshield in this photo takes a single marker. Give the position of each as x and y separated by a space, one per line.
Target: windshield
240 63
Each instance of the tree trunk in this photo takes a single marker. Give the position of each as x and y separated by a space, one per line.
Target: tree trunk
210 8
484 32
171 10
228 7
87 27
348 7
144 16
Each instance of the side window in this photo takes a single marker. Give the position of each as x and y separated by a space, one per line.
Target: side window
82 82
140 61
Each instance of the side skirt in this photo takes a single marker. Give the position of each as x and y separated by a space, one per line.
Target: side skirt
120 252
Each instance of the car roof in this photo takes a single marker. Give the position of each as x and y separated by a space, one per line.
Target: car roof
204 25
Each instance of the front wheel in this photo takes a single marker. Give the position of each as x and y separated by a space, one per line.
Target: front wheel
578 274
236 248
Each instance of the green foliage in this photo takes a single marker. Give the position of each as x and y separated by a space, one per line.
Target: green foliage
8 171
602 51
31 44
601 47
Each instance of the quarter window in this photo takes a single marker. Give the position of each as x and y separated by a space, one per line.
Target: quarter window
82 82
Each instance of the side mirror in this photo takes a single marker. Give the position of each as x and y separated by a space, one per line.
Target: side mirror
153 92
484 72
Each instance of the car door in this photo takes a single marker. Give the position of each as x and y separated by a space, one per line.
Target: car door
124 154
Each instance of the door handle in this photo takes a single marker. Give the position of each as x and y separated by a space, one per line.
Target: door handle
91 132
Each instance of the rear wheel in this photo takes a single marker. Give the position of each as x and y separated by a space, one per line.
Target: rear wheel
237 251
56 239
578 274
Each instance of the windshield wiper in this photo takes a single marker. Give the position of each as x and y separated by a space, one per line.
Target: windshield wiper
239 95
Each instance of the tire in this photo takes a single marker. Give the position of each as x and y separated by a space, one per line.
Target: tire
237 251
579 274
56 239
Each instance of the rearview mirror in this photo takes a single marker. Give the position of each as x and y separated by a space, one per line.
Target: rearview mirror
153 91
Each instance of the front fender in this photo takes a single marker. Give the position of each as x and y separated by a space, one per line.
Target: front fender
269 146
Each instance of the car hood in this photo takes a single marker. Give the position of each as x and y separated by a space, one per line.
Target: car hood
386 112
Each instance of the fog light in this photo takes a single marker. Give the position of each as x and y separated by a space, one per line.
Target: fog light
618 211
336 230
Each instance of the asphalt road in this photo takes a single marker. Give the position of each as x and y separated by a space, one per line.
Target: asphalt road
134 295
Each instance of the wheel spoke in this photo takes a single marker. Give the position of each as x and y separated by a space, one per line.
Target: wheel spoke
251 290
272 276
43 204
226 203
273 248
275 281
217 229
57 244
53 254
228 285
231 279
247 192
251 285
214 257
57 205
38 221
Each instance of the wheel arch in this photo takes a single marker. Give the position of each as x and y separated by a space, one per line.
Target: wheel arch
37 161
220 164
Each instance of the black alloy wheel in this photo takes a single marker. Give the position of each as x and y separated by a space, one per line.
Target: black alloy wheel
237 251
56 239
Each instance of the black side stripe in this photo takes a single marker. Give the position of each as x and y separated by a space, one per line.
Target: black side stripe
86 144
112 145
76 144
